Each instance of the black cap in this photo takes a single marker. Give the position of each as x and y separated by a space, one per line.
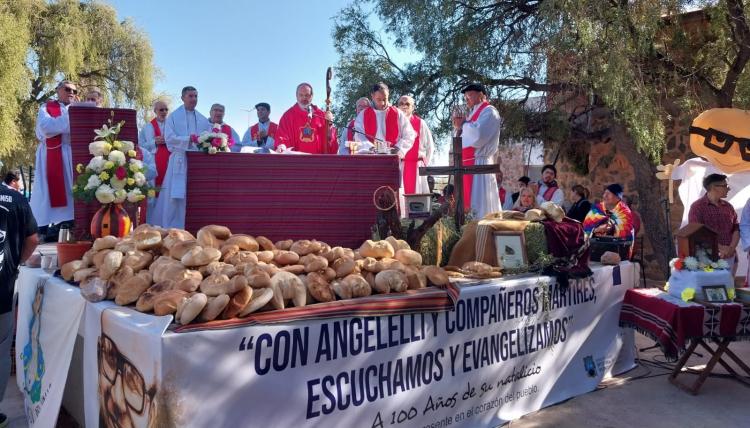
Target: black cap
474 87
266 105
616 189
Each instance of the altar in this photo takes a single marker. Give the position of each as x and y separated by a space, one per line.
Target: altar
508 347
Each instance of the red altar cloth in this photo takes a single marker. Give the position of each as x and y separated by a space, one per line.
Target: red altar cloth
325 197
83 122
671 322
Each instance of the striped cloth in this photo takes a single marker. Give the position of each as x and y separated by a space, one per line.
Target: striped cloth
83 122
620 216
325 197
430 299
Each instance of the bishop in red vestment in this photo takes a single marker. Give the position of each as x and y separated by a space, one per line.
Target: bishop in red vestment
303 126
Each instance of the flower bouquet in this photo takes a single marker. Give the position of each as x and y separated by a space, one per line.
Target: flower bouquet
113 176
212 142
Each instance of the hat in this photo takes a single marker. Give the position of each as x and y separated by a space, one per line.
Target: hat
474 87
616 189
266 105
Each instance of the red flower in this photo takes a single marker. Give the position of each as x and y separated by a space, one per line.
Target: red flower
678 264
216 142
121 173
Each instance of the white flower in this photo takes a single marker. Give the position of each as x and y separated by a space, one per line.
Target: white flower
93 182
140 179
106 131
118 184
722 264
117 157
127 146
99 148
212 150
96 164
135 195
120 195
105 194
691 263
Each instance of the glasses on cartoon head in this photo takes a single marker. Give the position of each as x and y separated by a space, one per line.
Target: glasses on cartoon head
723 141
113 364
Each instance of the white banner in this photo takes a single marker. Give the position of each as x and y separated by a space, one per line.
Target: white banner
122 367
49 313
508 348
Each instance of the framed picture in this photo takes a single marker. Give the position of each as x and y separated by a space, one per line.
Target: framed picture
510 248
715 293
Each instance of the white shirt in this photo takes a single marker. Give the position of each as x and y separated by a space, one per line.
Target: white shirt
406 134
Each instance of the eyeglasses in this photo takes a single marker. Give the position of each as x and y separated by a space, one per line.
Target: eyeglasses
70 90
112 363
162 109
723 142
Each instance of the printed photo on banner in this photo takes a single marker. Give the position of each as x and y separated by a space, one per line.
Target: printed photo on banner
127 378
511 249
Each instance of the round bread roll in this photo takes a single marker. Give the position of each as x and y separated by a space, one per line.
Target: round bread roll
110 264
397 244
188 280
147 240
261 297
200 256
368 264
477 268
176 235
370 278
265 244
88 257
376 249
220 268
284 245
286 258
409 257
145 302
329 274
105 243
391 280
166 302
213 236
192 307
82 274
295 269
416 278
245 242
228 251
315 263
162 261
257 278
268 268
265 256
319 287
123 274
436 276
99 256
180 248
304 247
68 269
137 259
214 307
242 257
352 286
215 285
237 303
125 245
133 288
344 266
286 286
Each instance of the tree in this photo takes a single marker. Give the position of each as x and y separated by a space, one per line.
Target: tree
642 59
42 42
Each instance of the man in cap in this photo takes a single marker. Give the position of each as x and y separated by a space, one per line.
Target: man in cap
611 217
261 135
712 210
480 132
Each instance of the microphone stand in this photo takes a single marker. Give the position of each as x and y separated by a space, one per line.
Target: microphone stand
353 129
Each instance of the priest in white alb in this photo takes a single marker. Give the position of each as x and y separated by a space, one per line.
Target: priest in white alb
183 126
420 153
480 132
52 200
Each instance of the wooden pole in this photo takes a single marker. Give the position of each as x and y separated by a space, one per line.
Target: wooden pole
458 182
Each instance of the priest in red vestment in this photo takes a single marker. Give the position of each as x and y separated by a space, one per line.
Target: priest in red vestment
384 122
303 126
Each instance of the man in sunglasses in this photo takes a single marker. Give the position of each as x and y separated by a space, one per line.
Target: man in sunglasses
52 196
713 211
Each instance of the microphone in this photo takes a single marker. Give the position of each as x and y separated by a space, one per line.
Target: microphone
309 112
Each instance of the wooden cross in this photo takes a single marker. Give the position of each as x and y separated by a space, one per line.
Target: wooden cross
458 170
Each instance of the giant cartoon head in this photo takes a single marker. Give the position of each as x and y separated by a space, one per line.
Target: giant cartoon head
722 137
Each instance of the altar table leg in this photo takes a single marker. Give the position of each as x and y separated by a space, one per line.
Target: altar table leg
721 349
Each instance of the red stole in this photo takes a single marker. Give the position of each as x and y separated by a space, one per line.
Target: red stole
411 159
501 194
350 131
547 196
255 129
161 158
58 197
391 124
467 157
139 155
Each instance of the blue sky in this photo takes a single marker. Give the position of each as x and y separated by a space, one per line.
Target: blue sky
238 53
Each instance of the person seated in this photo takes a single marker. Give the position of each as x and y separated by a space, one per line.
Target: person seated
522 183
713 211
579 195
12 181
611 217
526 200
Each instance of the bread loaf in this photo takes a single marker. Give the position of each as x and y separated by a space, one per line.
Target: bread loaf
237 303
213 236
214 307
376 249
260 298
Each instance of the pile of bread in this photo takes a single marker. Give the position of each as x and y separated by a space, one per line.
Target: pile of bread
220 275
